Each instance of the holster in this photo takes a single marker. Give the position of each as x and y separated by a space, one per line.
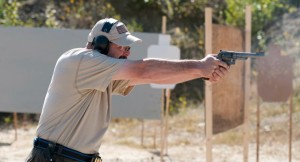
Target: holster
49 152
96 158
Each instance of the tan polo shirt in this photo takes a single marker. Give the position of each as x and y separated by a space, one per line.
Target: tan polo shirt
76 110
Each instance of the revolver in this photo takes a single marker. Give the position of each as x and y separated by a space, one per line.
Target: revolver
231 56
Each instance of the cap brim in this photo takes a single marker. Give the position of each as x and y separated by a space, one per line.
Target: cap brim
126 40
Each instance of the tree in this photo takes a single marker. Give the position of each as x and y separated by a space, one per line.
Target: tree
9 13
264 14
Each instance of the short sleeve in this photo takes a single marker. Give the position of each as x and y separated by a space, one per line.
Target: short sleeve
120 87
95 71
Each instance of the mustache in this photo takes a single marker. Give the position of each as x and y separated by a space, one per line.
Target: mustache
122 57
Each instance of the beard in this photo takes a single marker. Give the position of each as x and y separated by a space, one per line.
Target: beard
122 57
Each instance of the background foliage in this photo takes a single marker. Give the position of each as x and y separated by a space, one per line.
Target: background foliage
185 22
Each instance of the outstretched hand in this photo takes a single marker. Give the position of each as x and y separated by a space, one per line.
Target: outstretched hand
213 68
218 74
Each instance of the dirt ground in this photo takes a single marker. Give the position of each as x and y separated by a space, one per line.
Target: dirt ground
186 141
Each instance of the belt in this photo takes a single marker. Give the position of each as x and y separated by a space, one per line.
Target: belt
63 151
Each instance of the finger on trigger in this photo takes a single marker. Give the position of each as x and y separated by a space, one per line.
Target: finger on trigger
220 72
223 64
223 70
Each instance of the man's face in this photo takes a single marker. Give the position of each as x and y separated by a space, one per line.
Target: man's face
117 51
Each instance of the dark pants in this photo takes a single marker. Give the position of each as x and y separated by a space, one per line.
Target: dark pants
38 155
47 151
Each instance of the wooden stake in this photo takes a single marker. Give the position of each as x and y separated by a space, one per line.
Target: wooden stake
15 116
208 86
291 128
25 122
163 120
257 128
162 127
154 137
168 93
142 133
247 83
164 25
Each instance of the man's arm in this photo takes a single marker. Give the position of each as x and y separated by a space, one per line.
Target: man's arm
162 71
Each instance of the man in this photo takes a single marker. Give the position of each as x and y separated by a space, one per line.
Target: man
76 110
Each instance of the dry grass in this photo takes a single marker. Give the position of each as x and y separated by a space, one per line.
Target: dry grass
187 128
274 125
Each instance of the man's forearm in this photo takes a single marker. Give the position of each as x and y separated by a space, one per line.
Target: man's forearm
171 71
167 71
176 79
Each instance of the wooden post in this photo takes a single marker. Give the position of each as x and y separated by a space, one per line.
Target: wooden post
168 93
164 25
142 132
15 116
208 87
247 83
154 137
257 128
291 128
162 127
25 122
163 119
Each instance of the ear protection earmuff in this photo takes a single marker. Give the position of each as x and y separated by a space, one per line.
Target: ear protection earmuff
101 43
